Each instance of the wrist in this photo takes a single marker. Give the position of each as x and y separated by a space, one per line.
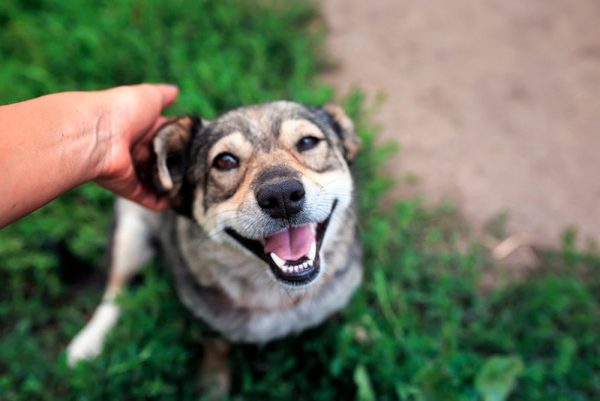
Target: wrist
83 119
96 125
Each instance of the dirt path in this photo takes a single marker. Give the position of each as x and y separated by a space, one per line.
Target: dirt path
496 104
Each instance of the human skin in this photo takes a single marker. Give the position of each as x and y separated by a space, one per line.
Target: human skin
51 144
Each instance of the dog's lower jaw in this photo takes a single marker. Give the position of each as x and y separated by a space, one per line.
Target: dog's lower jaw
250 307
292 274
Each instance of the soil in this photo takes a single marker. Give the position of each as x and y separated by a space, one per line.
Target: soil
496 104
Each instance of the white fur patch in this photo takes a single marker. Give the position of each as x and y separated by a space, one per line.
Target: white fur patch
88 343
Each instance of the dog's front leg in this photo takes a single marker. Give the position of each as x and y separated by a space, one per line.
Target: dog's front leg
215 378
131 247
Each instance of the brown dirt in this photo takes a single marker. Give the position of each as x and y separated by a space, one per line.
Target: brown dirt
496 104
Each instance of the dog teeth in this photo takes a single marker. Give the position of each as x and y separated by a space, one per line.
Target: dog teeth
312 252
278 261
282 264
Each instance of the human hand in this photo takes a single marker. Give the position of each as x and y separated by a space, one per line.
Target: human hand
127 117
56 142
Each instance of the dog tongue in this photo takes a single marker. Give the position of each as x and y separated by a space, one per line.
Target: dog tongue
290 244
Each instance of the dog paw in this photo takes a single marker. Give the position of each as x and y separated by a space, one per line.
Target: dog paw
88 343
83 346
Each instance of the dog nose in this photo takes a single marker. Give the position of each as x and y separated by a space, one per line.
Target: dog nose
282 200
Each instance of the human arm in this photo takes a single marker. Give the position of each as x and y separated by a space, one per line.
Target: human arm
54 143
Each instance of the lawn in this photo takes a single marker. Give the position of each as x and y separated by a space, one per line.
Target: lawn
421 327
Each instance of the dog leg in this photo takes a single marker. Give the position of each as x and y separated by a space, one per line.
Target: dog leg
131 248
215 377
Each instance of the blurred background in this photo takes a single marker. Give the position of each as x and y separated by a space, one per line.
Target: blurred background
482 276
496 104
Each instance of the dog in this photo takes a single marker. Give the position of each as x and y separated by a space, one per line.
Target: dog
261 236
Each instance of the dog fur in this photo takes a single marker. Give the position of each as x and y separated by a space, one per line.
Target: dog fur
234 184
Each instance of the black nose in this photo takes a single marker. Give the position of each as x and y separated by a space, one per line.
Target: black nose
281 200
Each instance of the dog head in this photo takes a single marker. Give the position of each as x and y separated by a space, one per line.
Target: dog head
272 179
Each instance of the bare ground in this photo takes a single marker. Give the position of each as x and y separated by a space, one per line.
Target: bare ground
496 103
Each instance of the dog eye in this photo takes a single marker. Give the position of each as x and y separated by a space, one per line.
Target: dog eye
225 161
307 143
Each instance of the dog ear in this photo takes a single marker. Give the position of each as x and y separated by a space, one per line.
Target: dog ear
344 129
171 152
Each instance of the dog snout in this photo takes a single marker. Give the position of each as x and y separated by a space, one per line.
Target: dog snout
281 200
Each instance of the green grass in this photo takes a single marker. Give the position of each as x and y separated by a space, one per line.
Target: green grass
420 328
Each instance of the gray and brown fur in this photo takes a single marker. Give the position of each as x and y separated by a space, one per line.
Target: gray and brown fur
218 279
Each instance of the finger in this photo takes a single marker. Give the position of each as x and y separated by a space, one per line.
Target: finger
141 152
156 203
147 136
168 94
160 121
132 189
141 149
142 194
150 200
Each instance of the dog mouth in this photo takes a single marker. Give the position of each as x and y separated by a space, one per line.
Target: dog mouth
292 254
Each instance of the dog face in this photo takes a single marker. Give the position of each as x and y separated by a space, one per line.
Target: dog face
272 179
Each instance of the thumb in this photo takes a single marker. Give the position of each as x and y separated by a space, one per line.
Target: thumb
168 94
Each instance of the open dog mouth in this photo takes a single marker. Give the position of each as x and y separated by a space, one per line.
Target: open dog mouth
292 254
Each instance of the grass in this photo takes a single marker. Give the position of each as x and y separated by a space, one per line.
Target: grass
420 328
